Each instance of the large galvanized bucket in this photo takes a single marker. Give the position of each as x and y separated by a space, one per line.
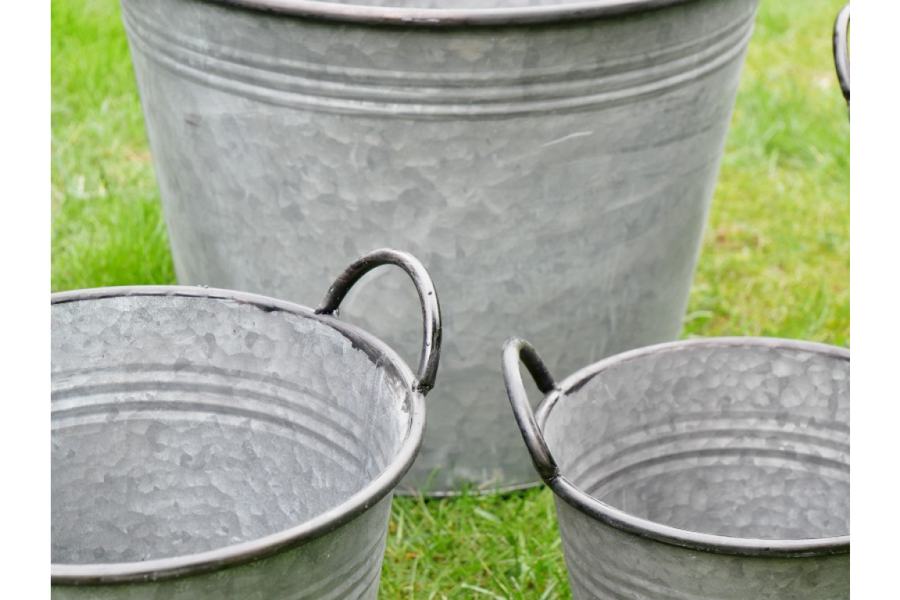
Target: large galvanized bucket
210 444
715 469
534 154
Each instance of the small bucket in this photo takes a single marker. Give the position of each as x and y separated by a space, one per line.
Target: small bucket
714 469
211 444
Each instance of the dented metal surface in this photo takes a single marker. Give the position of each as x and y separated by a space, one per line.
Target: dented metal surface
713 468
536 158
218 444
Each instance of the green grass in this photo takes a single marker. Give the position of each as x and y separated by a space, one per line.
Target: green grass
776 255
106 223
475 546
775 259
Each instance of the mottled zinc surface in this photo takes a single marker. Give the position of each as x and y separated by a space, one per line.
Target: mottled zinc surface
606 563
470 4
553 179
345 564
182 425
741 441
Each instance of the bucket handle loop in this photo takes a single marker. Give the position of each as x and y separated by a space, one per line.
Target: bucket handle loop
514 350
842 51
431 308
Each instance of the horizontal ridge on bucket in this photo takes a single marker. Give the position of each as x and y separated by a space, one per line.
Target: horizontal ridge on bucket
533 154
209 443
710 468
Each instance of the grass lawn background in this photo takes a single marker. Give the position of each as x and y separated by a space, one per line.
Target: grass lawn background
775 259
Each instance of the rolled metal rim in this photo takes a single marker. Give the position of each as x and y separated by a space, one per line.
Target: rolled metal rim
719 544
236 554
450 17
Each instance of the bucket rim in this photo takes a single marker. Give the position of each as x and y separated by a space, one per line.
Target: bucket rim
238 554
364 14
619 519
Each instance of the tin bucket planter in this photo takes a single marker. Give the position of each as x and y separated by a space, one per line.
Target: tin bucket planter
540 152
211 444
714 468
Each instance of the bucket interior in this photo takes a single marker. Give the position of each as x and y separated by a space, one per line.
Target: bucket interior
457 4
185 424
740 441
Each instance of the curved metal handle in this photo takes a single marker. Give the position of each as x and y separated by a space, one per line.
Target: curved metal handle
431 308
514 350
842 51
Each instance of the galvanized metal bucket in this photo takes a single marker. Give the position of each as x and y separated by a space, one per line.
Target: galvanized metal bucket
714 469
211 444
542 152
842 51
